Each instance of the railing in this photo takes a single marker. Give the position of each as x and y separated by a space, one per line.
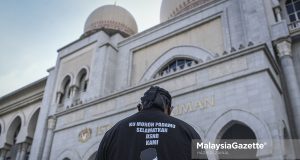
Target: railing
294 26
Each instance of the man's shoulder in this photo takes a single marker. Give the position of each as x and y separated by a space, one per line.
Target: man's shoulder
126 120
178 121
185 126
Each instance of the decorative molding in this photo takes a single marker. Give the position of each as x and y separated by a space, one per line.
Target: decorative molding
247 51
85 135
109 24
22 103
51 122
284 48
186 6
258 126
192 52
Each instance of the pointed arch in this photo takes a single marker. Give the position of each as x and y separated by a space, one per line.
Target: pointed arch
82 78
13 130
2 127
32 123
236 130
68 154
230 117
18 114
65 88
69 78
191 52
84 69
91 151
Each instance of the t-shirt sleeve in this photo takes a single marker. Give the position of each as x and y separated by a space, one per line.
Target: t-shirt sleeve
194 134
103 147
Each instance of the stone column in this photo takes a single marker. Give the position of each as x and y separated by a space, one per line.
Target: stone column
49 138
285 55
38 143
74 93
24 147
19 148
58 97
3 153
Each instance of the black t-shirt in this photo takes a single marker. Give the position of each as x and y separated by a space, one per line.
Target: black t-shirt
148 135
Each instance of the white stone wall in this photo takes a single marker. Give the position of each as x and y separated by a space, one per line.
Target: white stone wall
208 97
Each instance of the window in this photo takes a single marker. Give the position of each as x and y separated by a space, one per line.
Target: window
293 9
16 133
83 82
66 93
176 65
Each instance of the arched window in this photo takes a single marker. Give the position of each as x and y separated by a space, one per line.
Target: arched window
16 133
66 91
83 82
176 65
12 135
293 9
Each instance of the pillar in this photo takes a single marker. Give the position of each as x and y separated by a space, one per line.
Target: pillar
49 138
3 153
285 56
23 151
58 97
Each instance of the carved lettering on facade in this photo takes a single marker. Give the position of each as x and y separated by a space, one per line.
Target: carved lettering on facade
100 130
204 103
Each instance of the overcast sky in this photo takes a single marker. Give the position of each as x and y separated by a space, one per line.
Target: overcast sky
33 30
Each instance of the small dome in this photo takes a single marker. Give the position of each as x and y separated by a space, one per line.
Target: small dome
172 8
112 19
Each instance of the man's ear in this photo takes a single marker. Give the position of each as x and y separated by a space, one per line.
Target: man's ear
170 110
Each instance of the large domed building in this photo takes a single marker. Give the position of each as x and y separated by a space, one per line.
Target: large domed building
231 66
111 19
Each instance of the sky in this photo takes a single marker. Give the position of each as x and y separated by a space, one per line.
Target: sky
32 31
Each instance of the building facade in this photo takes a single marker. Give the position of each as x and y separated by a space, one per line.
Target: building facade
231 66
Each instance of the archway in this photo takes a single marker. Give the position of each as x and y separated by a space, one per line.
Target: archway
32 123
241 133
68 155
2 129
257 125
186 51
12 134
31 130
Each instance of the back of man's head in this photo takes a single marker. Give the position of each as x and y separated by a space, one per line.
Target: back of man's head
156 97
